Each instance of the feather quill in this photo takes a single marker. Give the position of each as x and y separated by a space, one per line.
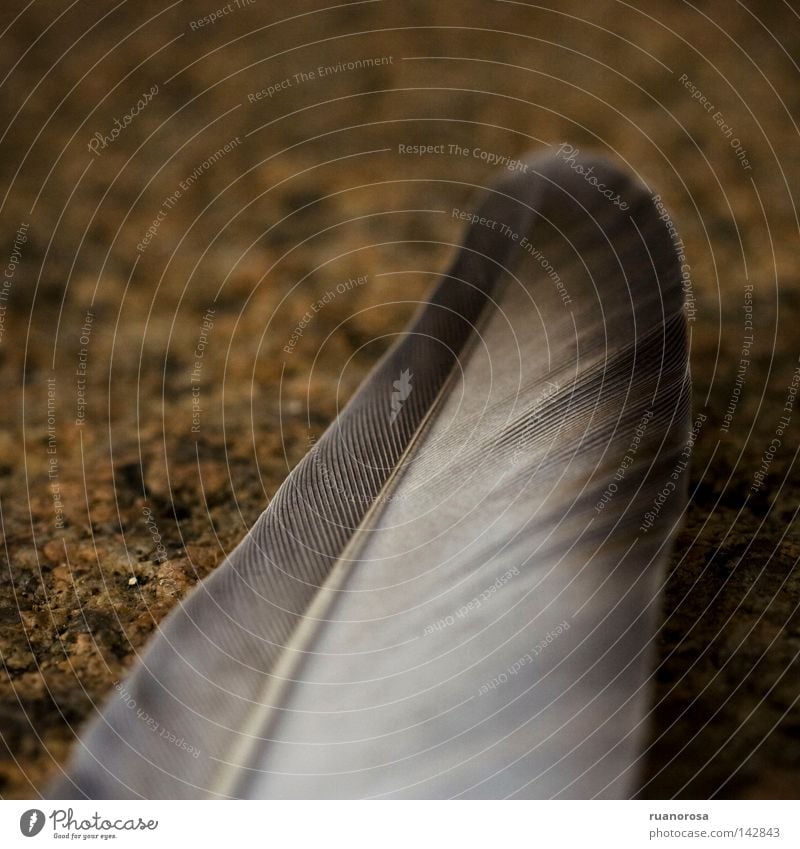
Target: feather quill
455 593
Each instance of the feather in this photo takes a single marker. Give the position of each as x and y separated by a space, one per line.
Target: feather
455 593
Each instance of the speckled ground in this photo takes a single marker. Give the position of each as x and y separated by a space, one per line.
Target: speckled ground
141 434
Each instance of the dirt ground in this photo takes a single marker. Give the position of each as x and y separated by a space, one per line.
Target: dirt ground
178 192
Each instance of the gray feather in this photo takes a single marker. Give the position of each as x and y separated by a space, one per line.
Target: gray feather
455 593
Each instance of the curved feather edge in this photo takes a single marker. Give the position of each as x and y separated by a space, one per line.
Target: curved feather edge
455 593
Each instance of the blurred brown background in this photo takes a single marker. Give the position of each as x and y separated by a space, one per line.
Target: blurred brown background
315 192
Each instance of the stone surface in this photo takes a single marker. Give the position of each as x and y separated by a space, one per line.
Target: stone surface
316 194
